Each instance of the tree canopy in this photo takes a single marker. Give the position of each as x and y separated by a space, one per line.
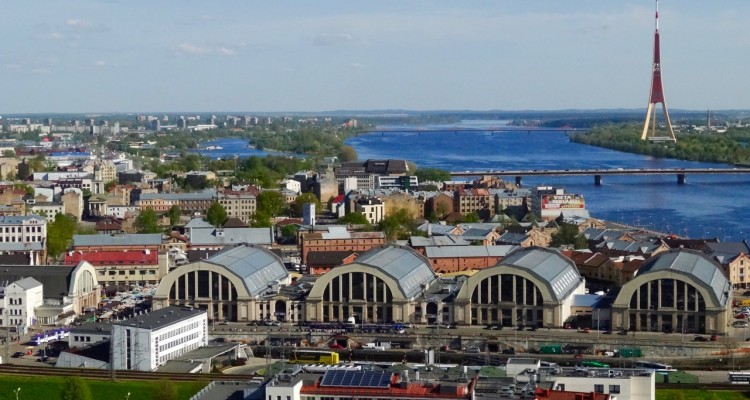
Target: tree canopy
146 221
216 215
354 218
568 234
75 388
303 199
60 234
174 214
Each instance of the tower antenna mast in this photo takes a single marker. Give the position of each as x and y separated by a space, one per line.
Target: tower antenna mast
657 95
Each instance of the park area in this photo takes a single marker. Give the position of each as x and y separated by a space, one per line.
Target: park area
53 387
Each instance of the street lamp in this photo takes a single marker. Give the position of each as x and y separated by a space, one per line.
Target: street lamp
16 391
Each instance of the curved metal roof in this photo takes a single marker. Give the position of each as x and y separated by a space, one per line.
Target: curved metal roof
550 266
692 263
410 269
256 266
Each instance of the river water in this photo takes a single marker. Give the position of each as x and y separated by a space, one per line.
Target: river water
709 206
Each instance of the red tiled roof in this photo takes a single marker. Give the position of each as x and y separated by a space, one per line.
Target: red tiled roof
546 394
113 258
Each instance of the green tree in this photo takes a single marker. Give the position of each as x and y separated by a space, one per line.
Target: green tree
398 225
289 231
270 203
75 388
347 153
216 215
354 218
164 390
472 217
568 234
146 222
432 174
60 234
9 153
303 199
110 185
174 214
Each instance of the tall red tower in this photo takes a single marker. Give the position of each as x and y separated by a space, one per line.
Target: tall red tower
657 96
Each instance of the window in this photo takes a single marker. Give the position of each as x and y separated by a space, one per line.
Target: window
599 388
614 388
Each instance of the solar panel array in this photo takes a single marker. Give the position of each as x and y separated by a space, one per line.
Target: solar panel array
368 379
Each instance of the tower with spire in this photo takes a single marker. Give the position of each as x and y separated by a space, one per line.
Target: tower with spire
657 96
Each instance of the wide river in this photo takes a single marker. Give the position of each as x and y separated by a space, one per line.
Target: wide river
710 206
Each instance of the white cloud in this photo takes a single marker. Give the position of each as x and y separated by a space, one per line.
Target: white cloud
187 48
78 25
330 39
356 65
100 63
11 66
225 51
40 71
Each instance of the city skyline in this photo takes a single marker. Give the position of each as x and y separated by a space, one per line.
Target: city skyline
116 56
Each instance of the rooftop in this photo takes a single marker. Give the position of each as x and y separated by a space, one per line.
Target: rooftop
160 318
118 239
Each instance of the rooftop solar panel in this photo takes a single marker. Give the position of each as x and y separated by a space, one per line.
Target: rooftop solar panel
370 379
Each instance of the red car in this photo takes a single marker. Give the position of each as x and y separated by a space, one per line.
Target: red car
336 346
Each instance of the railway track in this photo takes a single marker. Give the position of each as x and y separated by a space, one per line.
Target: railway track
99 374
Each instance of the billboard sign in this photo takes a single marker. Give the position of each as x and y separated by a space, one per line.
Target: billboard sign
563 202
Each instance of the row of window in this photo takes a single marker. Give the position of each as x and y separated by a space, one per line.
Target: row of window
130 272
19 229
178 331
19 239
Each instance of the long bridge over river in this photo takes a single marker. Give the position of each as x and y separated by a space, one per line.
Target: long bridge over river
457 130
598 174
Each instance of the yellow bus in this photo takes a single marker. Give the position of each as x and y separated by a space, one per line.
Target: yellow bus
314 357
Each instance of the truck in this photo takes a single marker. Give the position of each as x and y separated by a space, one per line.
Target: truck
373 346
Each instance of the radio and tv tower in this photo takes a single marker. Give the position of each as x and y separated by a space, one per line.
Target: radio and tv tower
657 96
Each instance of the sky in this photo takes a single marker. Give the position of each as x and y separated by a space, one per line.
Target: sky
69 56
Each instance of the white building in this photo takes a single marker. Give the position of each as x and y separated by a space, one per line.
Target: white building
47 209
308 214
404 182
22 229
19 299
120 211
291 184
372 208
145 342
632 384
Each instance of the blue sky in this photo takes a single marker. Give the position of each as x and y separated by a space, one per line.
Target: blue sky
252 56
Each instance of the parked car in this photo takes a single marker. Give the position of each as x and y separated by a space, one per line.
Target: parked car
623 332
584 330
17 354
714 338
740 324
473 350
700 339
